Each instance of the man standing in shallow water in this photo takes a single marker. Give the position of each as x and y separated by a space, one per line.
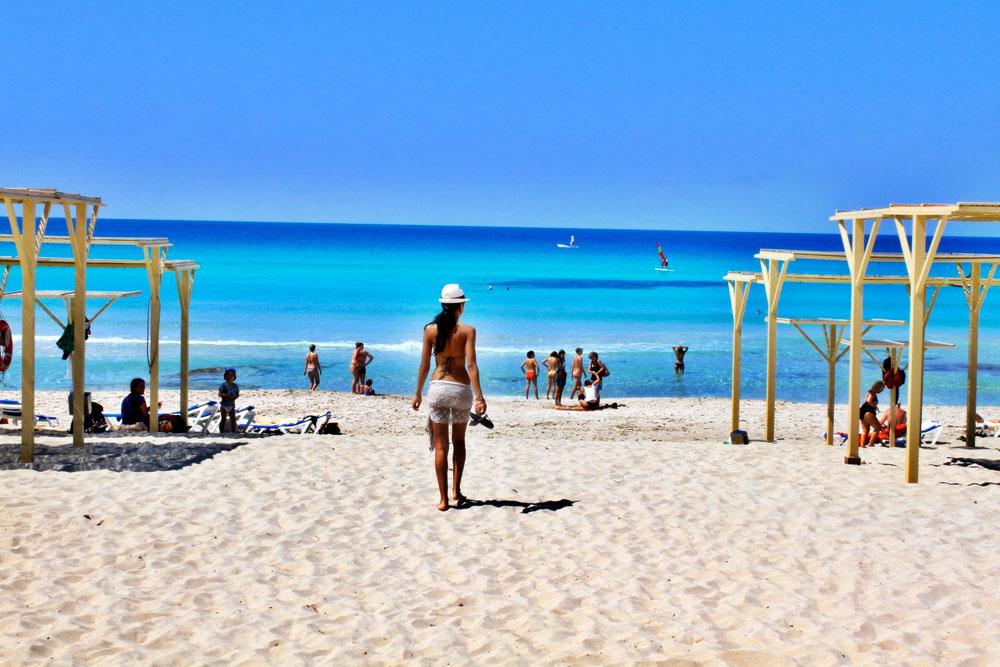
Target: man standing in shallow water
679 351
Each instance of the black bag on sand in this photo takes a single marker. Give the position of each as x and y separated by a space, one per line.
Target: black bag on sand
330 428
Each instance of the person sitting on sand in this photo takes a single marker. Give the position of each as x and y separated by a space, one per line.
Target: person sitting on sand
312 370
134 408
679 351
590 397
450 396
869 416
900 423
530 369
577 372
550 363
369 390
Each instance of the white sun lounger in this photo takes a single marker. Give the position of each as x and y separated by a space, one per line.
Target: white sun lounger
200 416
11 411
244 418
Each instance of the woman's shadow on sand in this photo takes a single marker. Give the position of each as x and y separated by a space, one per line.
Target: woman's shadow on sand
550 505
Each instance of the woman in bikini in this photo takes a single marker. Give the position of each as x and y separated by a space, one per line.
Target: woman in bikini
530 368
869 416
550 363
454 381
577 372
360 359
560 376
313 369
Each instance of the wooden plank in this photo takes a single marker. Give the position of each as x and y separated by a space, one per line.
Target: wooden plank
62 294
130 241
169 265
21 195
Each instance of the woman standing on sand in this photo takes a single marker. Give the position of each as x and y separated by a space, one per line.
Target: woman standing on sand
869 415
360 359
450 396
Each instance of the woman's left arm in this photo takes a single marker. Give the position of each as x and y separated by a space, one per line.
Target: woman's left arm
470 356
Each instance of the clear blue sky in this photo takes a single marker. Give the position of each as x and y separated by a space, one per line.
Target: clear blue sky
707 115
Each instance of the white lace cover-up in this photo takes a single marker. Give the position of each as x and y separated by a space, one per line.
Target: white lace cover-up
447 403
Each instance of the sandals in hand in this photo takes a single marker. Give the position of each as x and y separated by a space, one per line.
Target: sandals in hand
482 420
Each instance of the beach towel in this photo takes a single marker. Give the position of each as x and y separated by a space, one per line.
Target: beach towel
447 403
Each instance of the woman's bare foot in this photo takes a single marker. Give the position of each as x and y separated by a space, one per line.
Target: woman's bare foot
443 505
459 498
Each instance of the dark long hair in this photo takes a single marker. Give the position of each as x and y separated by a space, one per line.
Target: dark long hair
445 322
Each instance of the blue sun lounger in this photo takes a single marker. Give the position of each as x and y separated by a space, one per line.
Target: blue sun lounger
308 424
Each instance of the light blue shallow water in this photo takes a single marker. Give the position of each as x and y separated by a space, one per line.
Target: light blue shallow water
266 290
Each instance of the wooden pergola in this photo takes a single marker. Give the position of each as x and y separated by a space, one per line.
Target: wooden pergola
833 335
918 258
858 253
28 235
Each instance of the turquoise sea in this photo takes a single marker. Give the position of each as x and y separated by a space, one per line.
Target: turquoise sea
265 291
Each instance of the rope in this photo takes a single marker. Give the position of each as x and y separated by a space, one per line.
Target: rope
149 343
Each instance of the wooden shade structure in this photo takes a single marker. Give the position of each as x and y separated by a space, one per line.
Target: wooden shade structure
918 258
28 235
833 334
858 253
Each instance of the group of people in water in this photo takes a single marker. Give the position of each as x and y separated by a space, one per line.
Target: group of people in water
589 390
360 360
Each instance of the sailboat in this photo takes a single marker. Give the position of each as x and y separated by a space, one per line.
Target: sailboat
572 243
663 259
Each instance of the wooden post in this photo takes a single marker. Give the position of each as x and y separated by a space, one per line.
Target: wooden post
738 292
154 267
833 335
78 241
918 258
773 278
854 250
185 279
27 250
975 295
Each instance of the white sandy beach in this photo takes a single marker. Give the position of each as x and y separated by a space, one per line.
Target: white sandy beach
630 535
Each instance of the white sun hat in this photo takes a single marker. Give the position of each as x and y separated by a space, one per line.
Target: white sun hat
452 293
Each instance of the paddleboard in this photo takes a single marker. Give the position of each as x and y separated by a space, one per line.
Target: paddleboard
659 269
563 245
